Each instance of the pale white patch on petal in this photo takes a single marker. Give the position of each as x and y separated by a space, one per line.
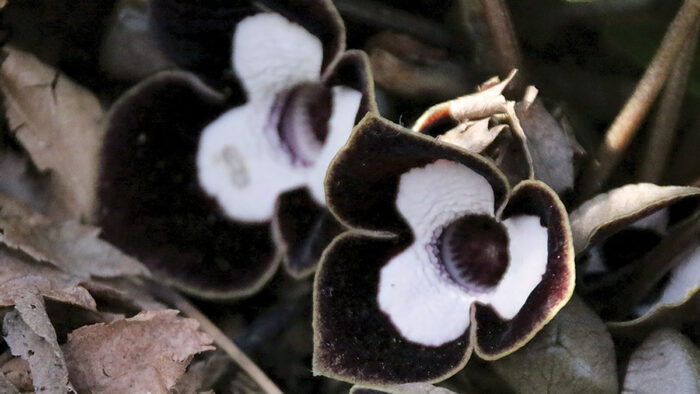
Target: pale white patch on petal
240 162
425 307
423 303
528 249
272 54
346 103
432 196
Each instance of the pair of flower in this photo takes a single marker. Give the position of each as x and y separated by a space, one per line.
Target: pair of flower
442 256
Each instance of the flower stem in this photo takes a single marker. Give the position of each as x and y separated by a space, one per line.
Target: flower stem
663 130
505 43
625 125
378 14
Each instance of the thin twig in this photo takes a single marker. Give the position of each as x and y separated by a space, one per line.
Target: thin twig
624 127
503 35
663 130
380 15
175 299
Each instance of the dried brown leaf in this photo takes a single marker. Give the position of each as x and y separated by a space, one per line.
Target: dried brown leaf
148 352
473 136
6 386
58 122
69 245
30 335
203 374
20 277
16 372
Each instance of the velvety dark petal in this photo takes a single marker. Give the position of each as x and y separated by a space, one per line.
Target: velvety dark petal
197 35
320 18
353 70
362 181
496 337
150 201
354 340
303 230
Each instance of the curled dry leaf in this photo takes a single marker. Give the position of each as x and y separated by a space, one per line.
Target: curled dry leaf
485 123
20 277
574 353
607 212
30 335
551 148
667 362
147 352
69 245
410 388
58 122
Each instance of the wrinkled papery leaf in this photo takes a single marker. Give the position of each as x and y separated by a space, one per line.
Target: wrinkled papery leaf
30 335
15 374
409 388
620 207
667 362
6 387
58 122
147 352
574 353
474 137
551 148
202 374
69 245
20 277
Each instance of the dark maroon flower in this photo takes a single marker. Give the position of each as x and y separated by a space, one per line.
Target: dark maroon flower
443 258
211 194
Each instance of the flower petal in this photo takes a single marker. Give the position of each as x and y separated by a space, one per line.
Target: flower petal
272 54
424 305
242 165
320 18
303 230
431 197
353 70
354 341
196 35
150 202
362 181
495 336
346 102
527 248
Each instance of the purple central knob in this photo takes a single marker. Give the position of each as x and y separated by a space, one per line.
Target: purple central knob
303 121
474 250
